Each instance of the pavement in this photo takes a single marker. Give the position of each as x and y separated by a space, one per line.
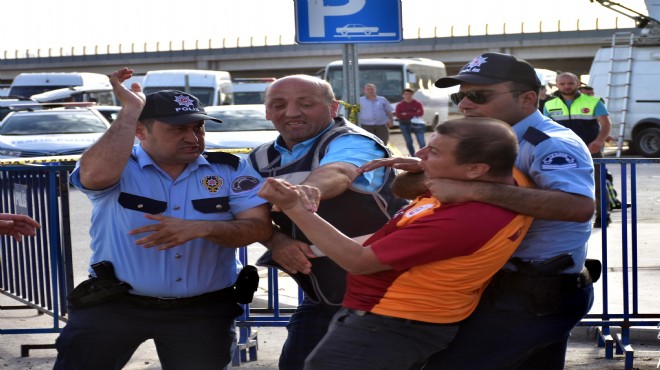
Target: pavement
583 351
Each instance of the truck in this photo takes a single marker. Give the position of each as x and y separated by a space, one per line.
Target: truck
210 87
626 74
28 84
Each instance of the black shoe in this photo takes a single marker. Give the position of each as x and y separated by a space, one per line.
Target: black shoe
618 205
598 223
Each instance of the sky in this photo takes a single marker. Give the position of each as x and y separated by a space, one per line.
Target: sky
67 24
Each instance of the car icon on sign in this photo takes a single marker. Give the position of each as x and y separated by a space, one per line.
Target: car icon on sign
356 28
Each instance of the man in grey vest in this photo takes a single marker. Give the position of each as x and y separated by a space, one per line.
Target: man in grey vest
317 149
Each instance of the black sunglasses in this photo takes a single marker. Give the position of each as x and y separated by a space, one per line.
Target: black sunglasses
477 96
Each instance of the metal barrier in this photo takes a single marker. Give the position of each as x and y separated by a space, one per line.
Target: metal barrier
38 272
623 254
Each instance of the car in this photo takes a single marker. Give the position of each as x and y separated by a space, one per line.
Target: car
7 102
243 127
59 131
356 28
110 112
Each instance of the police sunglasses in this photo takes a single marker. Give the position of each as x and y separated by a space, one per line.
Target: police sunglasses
477 96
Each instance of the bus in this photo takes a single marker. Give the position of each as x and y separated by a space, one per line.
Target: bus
210 87
392 75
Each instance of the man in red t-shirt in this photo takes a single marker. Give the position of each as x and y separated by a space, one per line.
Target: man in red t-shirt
410 112
412 282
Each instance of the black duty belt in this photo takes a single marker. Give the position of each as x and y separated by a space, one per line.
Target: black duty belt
161 303
516 281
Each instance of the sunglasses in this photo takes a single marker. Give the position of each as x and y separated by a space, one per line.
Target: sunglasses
477 96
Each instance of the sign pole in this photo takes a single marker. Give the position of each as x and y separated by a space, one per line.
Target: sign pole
351 91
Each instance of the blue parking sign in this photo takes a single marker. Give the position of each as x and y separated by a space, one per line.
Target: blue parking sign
348 21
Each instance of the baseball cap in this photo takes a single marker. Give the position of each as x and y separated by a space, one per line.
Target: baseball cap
493 68
174 107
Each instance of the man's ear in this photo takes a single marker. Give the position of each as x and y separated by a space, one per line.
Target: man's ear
530 97
477 170
140 131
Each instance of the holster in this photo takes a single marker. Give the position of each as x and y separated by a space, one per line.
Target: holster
104 287
246 284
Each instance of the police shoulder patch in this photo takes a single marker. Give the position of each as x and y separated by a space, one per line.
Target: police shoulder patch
558 160
212 183
244 183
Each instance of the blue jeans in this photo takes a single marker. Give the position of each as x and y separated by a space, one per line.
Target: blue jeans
104 337
419 130
373 342
305 329
501 334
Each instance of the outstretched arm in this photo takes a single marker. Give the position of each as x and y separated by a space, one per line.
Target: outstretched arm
250 226
538 203
17 225
102 164
349 254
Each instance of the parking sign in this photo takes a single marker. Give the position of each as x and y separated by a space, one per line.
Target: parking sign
348 21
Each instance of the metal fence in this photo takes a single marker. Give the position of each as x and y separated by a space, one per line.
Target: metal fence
38 272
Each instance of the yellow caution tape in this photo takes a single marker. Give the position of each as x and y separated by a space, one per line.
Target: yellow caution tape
75 158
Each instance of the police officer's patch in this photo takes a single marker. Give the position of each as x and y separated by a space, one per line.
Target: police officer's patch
558 160
244 183
212 183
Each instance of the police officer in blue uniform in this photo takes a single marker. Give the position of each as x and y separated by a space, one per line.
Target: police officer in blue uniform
525 315
167 219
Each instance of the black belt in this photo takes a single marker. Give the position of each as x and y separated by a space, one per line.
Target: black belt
399 319
161 303
524 282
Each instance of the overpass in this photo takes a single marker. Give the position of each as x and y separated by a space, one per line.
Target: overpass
560 50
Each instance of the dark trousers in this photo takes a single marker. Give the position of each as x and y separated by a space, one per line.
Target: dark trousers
373 342
502 334
407 129
106 336
597 179
381 131
305 330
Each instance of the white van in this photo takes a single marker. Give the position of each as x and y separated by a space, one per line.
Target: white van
250 90
631 94
210 87
100 94
28 84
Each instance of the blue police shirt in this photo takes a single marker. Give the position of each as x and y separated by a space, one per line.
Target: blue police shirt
204 191
562 163
354 149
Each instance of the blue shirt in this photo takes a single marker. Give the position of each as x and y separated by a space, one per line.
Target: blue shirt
560 163
196 267
374 112
354 149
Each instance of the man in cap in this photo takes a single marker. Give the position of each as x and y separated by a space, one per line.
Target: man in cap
527 312
166 222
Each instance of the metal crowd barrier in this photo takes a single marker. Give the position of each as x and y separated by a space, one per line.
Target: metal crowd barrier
625 287
38 272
